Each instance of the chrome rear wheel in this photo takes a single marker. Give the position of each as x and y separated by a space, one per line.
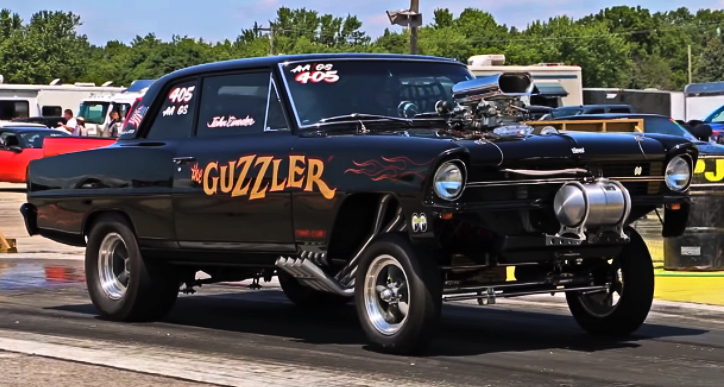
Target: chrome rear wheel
114 266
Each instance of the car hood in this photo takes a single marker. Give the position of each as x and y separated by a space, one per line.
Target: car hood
569 149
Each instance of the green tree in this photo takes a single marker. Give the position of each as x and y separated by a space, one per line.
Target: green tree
45 49
711 66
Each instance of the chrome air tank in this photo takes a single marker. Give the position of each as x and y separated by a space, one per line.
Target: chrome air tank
590 205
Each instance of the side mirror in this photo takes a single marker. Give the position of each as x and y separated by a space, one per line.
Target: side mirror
15 149
702 132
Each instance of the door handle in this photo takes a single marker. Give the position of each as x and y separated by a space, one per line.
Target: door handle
182 160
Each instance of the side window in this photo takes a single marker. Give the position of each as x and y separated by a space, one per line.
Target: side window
595 111
8 139
176 116
51 111
11 110
620 110
233 104
274 114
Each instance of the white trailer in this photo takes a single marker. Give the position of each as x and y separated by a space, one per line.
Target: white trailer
557 84
702 99
647 101
96 109
22 101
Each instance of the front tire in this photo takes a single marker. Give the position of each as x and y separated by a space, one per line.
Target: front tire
632 280
122 285
398 295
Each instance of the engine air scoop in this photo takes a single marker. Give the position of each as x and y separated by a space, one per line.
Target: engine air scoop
603 205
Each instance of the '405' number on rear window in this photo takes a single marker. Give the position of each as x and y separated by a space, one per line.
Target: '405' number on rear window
318 76
181 94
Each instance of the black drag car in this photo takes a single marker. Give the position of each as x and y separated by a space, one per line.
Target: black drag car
399 181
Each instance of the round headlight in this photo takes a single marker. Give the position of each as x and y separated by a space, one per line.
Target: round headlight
678 174
448 181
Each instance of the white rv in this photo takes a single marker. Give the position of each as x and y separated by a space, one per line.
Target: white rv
23 101
702 99
556 84
96 109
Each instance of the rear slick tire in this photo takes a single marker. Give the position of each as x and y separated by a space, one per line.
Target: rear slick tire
636 295
398 295
122 285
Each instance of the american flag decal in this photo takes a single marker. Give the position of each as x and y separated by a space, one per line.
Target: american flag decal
137 116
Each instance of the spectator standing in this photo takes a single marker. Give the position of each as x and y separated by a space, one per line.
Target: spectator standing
80 129
113 128
71 122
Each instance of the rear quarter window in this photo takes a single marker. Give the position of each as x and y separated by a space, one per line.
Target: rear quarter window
175 117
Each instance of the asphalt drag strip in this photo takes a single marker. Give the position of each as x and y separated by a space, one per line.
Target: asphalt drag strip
233 336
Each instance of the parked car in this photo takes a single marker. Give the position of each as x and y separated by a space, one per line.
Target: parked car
361 176
715 120
50 122
567 111
654 123
19 144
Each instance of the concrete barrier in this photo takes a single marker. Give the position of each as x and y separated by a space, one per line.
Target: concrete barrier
701 248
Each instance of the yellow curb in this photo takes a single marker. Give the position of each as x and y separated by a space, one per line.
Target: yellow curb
697 289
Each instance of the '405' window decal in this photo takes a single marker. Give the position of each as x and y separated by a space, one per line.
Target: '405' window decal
179 99
315 73
245 176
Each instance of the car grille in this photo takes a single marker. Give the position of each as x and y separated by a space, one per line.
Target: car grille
546 192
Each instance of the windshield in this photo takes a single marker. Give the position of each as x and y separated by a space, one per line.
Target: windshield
93 112
717 116
391 88
35 139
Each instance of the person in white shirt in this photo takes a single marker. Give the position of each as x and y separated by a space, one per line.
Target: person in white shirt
80 129
70 124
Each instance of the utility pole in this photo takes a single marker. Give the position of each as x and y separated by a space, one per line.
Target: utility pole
414 8
270 30
271 39
690 64
410 18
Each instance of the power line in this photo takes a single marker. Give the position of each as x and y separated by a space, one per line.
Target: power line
545 38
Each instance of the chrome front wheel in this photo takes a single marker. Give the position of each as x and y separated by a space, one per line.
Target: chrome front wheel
114 269
386 295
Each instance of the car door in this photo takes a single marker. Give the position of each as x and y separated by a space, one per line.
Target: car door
13 163
231 188
144 163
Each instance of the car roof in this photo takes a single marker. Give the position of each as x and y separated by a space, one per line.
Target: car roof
21 129
16 124
268 61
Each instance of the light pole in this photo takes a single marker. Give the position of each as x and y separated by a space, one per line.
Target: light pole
410 18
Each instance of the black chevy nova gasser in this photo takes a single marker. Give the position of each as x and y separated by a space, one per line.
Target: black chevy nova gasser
400 181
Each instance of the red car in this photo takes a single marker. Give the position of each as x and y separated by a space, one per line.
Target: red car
19 144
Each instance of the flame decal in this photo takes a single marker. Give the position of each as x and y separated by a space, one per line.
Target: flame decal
395 169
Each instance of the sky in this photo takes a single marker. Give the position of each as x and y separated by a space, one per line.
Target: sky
216 20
